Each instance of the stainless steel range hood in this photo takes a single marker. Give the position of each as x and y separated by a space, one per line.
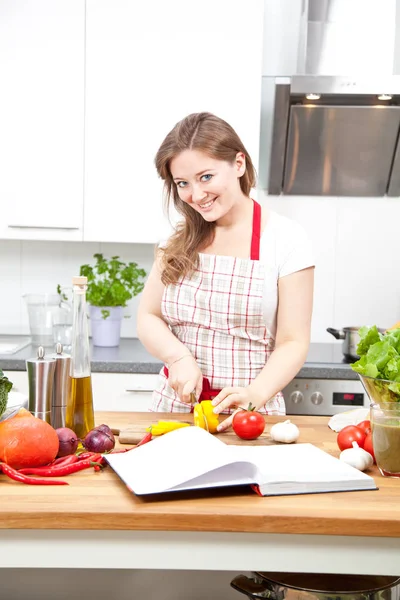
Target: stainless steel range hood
334 135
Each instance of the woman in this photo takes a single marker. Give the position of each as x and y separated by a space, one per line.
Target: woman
227 306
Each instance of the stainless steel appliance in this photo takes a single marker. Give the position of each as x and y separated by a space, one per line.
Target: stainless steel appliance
350 338
335 389
309 586
41 379
334 123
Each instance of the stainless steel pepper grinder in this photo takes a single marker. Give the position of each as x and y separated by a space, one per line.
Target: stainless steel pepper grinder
41 378
61 387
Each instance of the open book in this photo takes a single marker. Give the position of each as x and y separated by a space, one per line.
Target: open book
190 458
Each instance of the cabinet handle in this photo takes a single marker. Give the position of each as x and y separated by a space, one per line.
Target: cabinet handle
42 227
139 390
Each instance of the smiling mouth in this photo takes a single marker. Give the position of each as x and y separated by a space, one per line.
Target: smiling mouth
207 204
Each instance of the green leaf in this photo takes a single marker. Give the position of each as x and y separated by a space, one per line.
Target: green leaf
112 282
368 336
5 387
363 367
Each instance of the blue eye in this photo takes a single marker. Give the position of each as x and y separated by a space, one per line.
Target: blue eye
208 176
181 184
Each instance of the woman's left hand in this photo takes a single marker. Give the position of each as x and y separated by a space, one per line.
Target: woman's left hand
235 397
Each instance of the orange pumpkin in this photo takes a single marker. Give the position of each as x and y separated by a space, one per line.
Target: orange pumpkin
26 441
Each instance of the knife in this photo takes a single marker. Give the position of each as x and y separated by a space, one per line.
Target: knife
194 402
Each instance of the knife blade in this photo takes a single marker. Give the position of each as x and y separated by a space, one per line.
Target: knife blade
194 401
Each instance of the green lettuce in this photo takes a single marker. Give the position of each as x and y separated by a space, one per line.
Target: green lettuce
380 359
368 336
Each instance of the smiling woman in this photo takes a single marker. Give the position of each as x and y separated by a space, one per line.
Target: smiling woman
227 306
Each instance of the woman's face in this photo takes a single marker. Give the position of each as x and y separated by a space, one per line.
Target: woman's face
209 186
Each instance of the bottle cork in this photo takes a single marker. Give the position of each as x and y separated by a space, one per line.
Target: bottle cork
79 280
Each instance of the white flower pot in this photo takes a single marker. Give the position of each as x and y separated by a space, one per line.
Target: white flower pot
106 332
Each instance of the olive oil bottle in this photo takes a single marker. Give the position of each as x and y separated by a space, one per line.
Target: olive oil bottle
80 413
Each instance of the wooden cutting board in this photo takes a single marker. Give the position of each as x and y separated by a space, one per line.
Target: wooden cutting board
132 434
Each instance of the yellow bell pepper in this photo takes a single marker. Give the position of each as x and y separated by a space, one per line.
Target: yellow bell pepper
162 427
204 416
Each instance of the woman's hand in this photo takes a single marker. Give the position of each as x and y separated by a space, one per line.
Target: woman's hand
185 377
235 397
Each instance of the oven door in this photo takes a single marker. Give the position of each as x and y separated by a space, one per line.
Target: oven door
324 397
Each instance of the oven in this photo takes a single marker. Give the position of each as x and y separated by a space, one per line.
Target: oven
326 385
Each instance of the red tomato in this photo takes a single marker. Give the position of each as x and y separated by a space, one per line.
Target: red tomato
350 434
365 426
368 445
248 424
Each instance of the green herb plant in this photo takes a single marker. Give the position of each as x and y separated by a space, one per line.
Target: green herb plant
112 282
62 294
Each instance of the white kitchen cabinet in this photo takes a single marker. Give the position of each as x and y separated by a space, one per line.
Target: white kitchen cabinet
148 65
41 119
130 392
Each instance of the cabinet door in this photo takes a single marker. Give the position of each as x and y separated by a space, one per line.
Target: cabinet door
130 392
148 65
41 119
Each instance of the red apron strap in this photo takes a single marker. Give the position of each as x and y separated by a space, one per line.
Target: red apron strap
256 235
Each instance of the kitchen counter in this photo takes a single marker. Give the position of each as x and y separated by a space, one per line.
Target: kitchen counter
352 532
324 361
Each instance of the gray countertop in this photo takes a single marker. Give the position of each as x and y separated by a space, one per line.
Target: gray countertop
324 361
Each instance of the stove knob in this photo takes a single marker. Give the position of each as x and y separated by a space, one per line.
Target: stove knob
316 398
296 397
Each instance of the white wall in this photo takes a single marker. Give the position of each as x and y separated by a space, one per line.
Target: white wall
30 267
355 243
357 275
355 239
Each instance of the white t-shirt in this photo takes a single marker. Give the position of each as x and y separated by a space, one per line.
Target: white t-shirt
284 249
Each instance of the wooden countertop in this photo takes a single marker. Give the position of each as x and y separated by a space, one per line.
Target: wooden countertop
100 501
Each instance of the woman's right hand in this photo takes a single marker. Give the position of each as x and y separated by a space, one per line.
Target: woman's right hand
185 377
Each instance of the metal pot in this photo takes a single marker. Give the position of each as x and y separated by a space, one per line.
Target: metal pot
311 586
350 338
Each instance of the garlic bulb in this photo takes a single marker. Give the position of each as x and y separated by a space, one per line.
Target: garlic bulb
285 432
357 457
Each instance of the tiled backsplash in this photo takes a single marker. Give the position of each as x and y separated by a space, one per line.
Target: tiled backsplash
356 249
37 267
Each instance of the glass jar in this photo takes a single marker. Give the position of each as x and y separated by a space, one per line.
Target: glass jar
385 422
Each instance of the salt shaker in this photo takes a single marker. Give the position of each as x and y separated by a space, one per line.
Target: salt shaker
61 387
41 378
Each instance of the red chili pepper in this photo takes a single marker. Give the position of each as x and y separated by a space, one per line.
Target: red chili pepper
64 460
86 455
147 438
62 470
18 476
67 460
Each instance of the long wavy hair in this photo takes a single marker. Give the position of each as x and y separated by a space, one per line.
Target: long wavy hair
213 136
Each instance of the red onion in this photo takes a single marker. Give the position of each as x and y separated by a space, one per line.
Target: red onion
99 441
104 428
68 442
